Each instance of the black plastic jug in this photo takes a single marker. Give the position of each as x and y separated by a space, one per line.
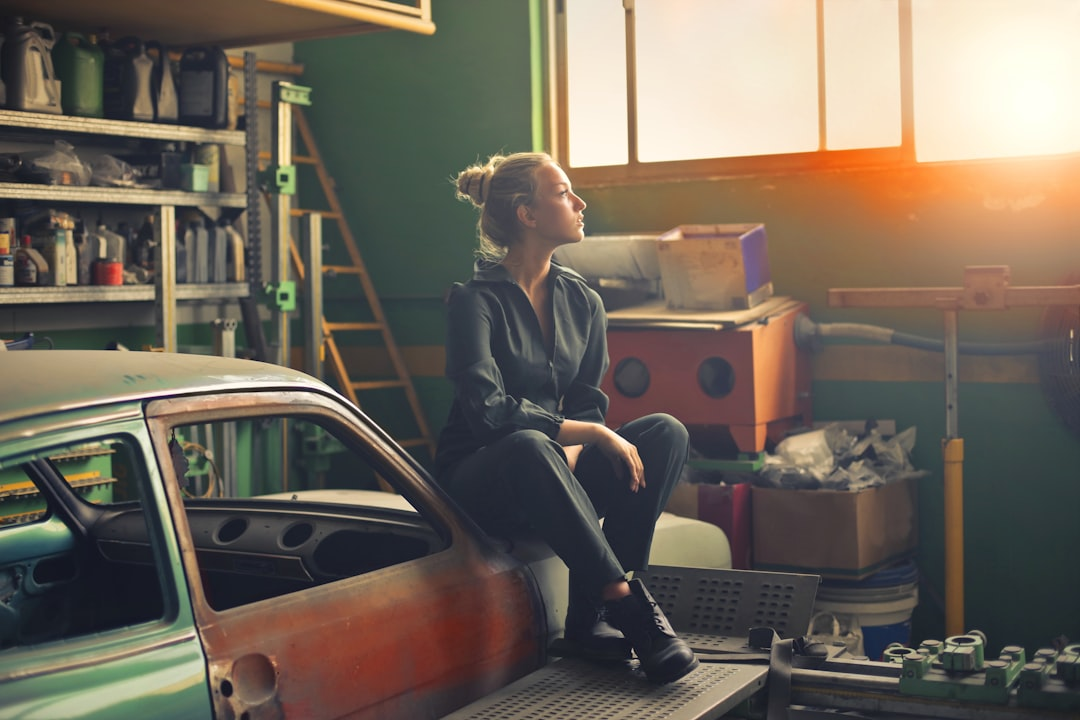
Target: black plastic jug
204 82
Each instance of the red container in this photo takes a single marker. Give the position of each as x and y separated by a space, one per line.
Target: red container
108 272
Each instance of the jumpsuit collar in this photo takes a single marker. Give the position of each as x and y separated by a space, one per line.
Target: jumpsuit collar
489 271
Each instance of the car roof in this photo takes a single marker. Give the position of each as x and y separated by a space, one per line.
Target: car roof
43 381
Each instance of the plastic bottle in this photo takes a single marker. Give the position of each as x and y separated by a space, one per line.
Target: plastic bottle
71 273
204 87
80 67
55 246
145 243
197 240
166 102
127 80
115 244
83 256
28 263
140 82
26 63
219 252
235 261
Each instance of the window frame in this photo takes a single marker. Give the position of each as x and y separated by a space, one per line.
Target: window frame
636 171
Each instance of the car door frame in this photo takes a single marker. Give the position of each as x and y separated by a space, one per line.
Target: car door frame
417 639
155 668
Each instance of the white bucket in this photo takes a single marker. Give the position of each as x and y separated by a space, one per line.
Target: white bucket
879 611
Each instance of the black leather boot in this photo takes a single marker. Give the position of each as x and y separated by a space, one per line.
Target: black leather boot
663 656
589 634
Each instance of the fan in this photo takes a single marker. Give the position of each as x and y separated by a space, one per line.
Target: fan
1059 364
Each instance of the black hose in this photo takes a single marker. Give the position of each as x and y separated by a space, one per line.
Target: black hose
807 331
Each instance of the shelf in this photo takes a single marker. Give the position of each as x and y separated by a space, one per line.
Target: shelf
235 23
118 293
118 128
119 196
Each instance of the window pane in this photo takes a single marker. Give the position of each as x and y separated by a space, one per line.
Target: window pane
995 78
862 74
596 88
59 582
259 526
726 78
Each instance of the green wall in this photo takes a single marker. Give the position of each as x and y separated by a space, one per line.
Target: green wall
396 115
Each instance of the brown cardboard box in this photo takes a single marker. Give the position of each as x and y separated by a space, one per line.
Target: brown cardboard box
715 267
835 533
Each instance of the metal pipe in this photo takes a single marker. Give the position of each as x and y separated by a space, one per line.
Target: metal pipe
311 246
165 278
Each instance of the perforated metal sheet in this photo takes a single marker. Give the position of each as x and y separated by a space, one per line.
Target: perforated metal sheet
713 610
716 608
572 689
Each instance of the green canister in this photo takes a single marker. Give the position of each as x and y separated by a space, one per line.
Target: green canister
80 65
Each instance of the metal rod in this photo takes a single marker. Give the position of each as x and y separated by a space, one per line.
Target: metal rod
165 278
311 245
282 133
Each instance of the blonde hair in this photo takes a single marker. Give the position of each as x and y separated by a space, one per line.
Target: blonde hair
498 188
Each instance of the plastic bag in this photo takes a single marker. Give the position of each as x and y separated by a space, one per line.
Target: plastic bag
59 166
110 171
837 630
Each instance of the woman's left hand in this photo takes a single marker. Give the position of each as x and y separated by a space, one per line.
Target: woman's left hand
624 458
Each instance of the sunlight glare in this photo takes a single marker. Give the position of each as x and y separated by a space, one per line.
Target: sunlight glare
996 79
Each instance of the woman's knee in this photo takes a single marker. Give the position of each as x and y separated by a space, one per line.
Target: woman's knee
663 427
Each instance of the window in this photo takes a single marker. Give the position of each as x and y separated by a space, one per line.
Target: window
56 583
649 89
274 509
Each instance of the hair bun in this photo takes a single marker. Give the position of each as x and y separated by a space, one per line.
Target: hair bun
475 181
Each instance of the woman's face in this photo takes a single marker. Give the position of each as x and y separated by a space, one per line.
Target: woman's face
556 212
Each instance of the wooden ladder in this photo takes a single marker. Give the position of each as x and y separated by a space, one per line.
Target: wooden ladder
356 268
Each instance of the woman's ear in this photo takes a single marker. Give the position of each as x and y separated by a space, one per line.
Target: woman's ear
525 216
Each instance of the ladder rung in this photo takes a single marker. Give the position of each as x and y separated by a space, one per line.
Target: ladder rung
377 384
327 214
337 326
306 159
343 269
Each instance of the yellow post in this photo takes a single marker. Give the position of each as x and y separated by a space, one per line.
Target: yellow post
952 449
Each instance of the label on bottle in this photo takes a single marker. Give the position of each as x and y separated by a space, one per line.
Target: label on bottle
7 270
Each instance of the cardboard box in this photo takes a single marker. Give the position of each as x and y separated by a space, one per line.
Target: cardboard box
726 506
835 533
715 267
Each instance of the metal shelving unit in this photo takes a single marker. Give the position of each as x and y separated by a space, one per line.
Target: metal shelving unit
165 292
119 293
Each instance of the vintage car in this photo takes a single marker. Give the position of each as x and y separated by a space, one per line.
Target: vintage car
186 536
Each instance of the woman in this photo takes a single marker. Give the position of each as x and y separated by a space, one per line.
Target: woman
525 445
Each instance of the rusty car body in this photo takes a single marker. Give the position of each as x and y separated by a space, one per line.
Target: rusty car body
186 536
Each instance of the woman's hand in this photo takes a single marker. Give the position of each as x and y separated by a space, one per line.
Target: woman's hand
624 458
622 453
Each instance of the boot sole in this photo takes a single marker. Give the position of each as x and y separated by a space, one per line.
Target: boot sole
673 676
